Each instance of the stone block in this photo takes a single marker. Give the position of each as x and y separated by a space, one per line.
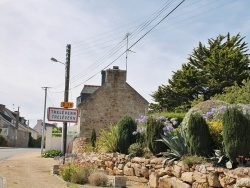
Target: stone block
153 180
128 171
213 180
187 177
55 169
117 181
172 182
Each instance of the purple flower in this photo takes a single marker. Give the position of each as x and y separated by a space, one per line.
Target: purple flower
175 122
223 108
135 133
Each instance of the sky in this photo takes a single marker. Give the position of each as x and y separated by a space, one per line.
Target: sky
161 36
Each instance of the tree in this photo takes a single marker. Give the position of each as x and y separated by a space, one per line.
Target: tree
236 94
208 71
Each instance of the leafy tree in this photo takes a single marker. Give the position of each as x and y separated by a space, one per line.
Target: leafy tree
209 70
236 94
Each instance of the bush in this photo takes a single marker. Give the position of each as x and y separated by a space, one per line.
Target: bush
93 138
135 150
215 130
126 127
198 136
154 130
98 179
193 159
51 153
3 141
81 176
76 173
236 127
107 141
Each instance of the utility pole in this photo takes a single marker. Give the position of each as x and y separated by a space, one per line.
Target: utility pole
17 124
66 93
42 144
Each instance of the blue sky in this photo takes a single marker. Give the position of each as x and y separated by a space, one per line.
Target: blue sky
34 31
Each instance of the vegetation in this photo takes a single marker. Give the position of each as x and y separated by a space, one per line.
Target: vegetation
135 150
57 132
235 127
215 130
107 141
223 63
98 179
154 130
193 159
51 154
93 138
34 143
198 136
126 127
3 141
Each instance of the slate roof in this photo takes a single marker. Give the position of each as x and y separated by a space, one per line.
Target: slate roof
89 89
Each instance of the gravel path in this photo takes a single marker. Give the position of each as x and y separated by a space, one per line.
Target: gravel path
30 170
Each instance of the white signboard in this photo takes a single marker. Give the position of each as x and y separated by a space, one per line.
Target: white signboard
62 114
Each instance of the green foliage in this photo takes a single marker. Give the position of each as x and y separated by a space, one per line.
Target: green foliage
176 142
57 132
51 154
172 115
107 141
135 150
236 127
193 159
153 132
98 179
198 136
215 130
209 70
34 143
3 141
93 138
236 93
125 137
76 173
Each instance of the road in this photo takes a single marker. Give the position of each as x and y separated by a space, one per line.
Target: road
6 153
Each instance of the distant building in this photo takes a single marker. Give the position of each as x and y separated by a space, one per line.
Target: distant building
100 106
15 128
39 126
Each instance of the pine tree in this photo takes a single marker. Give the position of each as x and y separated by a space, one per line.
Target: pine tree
93 138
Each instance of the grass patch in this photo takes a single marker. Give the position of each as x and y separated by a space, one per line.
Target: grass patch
193 159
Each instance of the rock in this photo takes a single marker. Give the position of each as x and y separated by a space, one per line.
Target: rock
137 169
157 161
199 177
145 172
120 166
109 164
161 172
137 179
128 171
172 182
187 177
177 171
203 169
153 180
243 182
213 180
136 160
199 185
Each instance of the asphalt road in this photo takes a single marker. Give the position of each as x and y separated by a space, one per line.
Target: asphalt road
6 153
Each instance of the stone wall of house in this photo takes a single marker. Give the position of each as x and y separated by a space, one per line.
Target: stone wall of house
112 101
22 139
157 174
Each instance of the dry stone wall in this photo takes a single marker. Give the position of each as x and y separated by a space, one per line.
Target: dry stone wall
176 175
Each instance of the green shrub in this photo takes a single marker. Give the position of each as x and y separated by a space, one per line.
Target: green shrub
126 127
236 127
98 179
93 138
51 153
154 130
193 159
107 141
81 176
198 136
3 141
76 173
135 150
215 129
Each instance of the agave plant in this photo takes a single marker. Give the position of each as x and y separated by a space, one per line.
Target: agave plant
176 141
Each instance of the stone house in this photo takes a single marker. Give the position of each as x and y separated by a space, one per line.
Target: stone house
16 129
101 106
39 126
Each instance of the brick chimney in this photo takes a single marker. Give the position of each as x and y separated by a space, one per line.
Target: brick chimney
2 107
